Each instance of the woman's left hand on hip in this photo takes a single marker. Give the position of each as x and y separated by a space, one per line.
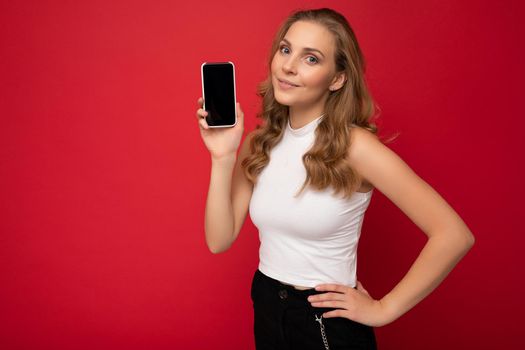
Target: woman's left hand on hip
354 304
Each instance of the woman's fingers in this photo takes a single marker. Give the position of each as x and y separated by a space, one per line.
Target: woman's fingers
201 113
240 115
239 110
203 124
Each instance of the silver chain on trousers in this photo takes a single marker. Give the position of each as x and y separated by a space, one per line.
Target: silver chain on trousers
320 320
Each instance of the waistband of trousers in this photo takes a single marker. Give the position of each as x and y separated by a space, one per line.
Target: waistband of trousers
278 284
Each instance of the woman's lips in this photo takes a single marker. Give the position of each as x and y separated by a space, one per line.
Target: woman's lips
284 85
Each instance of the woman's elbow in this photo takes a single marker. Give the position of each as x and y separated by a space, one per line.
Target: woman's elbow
462 238
468 239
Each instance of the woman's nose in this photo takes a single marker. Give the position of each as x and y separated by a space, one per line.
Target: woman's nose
289 65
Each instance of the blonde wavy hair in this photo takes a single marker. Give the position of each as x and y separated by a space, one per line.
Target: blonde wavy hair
350 106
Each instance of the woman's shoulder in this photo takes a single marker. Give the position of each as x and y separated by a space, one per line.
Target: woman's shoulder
361 137
363 146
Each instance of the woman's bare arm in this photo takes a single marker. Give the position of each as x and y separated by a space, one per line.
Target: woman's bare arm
228 200
449 238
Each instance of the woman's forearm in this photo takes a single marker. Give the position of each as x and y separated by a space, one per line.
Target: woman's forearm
219 220
437 258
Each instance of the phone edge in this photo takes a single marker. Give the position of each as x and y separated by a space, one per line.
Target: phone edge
234 93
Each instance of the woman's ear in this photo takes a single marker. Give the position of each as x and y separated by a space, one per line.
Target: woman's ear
338 81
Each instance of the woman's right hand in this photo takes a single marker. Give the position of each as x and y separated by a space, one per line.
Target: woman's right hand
221 142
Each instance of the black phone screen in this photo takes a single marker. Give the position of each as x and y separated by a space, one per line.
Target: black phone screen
219 93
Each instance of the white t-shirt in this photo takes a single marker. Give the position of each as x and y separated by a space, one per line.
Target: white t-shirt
311 239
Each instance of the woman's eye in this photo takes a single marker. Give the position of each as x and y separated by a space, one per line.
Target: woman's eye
282 47
315 58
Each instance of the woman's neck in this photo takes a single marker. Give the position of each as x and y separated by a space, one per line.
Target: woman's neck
301 117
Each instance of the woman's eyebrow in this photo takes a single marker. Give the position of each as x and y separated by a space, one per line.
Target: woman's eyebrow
305 48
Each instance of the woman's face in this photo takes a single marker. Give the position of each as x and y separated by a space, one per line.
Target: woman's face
310 71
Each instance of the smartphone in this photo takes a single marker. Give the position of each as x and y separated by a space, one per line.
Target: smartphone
218 92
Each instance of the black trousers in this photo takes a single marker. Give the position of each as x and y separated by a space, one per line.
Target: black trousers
285 320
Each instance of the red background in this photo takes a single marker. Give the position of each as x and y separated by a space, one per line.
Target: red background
104 175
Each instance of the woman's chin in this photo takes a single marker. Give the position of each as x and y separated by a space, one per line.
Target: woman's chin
282 100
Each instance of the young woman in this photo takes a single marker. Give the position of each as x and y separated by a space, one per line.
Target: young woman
306 177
